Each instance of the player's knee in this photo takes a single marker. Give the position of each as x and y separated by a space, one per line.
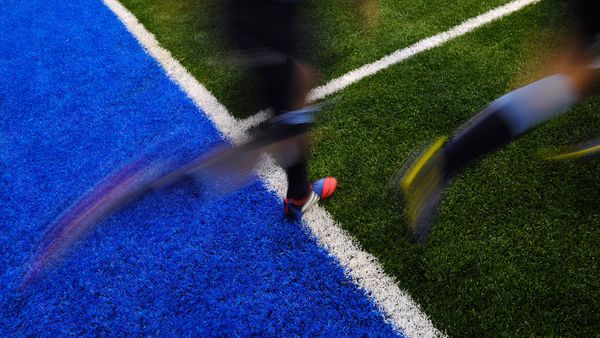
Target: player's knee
528 106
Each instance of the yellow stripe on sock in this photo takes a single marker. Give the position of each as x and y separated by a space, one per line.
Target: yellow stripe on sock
412 173
575 154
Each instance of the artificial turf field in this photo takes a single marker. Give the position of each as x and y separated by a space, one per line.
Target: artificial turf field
80 98
515 251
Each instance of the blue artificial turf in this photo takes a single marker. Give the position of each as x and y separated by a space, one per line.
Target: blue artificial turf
79 98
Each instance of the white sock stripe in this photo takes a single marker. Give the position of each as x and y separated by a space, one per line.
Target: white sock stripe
312 199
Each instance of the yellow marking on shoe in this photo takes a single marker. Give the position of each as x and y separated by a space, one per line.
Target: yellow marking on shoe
574 154
412 173
418 197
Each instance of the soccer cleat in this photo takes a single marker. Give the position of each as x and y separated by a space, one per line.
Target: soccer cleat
320 190
421 183
590 149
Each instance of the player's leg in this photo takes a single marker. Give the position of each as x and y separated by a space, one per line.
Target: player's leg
294 87
507 118
266 35
498 124
522 109
585 50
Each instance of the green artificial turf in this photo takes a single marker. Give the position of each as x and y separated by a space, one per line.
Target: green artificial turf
342 37
515 251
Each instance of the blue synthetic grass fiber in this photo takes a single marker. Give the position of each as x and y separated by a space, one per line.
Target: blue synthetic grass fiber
78 99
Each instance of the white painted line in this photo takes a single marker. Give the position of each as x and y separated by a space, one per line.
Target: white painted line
366 271
225 122
400 55
254 120
401 311
363 268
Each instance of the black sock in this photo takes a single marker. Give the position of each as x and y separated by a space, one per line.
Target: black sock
510 116
488 131
298 185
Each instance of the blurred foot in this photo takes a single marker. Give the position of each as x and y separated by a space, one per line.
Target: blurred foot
320 190
590 149
420 184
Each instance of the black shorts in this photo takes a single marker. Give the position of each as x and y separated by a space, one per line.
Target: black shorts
265 38
587 20
264 32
